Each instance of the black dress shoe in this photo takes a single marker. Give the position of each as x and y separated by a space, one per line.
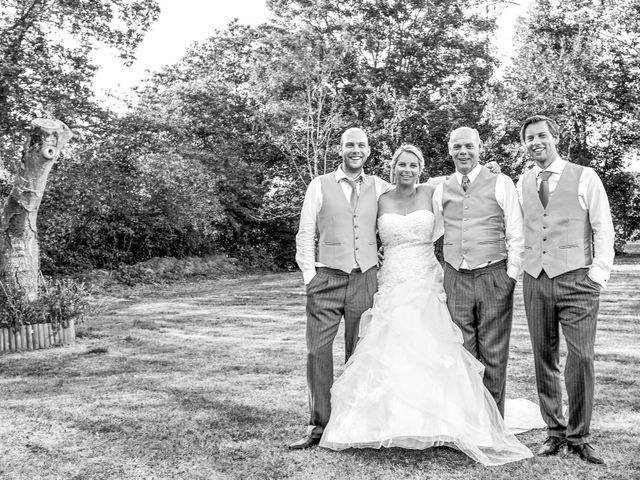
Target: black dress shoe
552 446
586 452
304 443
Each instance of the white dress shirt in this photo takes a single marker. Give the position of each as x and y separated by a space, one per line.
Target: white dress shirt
306 237
593 198
507 199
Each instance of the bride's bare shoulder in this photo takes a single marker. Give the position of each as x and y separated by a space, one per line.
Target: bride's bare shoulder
387 197
385 202
426 190
425 194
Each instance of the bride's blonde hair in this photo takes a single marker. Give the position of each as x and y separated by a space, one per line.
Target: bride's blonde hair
407 147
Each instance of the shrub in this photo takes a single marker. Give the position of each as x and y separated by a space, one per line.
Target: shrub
58 303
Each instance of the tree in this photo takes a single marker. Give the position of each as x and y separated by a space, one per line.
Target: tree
293 80
125 196
410 71
19 249
578 63
45 58
263 107
201 111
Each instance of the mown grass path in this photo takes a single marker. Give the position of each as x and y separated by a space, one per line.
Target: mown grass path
207 380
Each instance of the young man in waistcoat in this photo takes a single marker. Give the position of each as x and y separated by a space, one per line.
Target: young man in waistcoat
567 260
337 253
483 245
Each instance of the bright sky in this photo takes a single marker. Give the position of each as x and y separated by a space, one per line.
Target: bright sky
180 24
183 22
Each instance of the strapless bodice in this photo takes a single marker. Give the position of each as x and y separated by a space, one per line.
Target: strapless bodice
408 250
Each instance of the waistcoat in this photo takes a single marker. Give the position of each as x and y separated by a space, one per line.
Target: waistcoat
473 222
557 239
347 237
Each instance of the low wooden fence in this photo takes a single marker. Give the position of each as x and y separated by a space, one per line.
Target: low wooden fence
35 337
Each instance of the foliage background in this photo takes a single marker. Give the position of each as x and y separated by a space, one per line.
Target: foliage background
215 155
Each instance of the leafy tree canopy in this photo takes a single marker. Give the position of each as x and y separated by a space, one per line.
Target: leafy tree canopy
577 62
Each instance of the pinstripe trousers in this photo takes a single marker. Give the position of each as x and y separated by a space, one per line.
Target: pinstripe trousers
570 300
332 295
481 304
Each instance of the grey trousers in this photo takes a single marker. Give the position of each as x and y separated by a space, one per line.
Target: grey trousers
481 304
332 295
570 300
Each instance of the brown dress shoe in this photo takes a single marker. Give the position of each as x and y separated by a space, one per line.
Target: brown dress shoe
304 443
586 452
552 446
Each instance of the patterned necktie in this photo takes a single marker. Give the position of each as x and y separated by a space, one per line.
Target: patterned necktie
465 183
543 191
353 200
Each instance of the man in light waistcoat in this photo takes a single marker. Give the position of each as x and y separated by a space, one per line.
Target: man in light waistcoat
483 245
567 260
337 253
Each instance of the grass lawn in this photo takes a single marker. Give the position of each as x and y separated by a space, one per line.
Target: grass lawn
207 380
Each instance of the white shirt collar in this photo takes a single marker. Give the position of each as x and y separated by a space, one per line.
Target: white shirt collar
340 174
473 174
557 166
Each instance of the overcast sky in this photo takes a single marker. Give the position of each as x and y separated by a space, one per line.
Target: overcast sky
183 22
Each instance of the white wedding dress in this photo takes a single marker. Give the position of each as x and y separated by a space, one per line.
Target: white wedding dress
410 382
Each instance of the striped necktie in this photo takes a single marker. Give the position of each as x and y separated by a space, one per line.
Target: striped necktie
543 191
353 199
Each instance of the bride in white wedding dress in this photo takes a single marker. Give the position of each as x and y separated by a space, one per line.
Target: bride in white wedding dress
410 382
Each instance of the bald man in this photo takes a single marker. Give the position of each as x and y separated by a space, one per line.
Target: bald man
336 250
483 249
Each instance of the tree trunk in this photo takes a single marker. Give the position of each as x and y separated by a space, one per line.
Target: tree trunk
19 250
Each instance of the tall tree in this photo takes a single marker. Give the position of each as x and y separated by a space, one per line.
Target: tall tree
207 104
410 70
406 71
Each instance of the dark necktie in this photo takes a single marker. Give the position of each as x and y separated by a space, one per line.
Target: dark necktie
465 183
353 200
543 191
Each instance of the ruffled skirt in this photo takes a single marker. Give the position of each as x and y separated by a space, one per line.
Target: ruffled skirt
410 383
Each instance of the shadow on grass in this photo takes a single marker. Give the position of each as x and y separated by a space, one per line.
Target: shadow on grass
227 417
623 359
95 351
145 324
418 459
93 362
193 413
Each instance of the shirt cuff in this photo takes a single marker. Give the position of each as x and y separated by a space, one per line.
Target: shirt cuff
598 276
308 275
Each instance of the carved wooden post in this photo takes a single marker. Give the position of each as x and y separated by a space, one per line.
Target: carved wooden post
19 250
